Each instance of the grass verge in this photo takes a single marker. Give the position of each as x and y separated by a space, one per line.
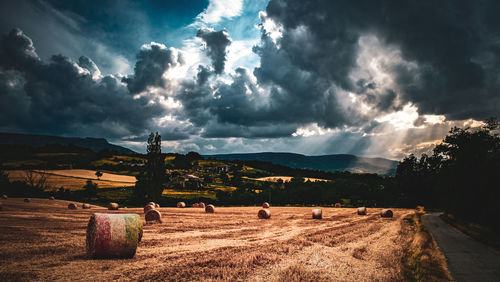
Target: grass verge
476 231
423 260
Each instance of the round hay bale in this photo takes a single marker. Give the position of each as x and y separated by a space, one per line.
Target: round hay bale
201 205
148 207
386 213
338 205
265 205
72 206
181 205
210 209
4 197
195 205
317 214
26 200
157 206
113 235
151 203
153 215
85 206
362 210
264 214
52 198
113 206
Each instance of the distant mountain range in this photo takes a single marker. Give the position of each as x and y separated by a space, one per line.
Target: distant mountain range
341 162
95 144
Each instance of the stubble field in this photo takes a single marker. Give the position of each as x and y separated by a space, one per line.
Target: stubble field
75 179
43 240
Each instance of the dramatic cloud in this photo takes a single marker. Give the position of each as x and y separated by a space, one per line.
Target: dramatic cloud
448 50
63 97
374 67
152 62
376 78
216 43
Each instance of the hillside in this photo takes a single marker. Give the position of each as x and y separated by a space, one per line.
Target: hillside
341 162
95 144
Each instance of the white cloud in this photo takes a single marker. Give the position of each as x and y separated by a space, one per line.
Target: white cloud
240 54
403 119
219 9
272 29
311 130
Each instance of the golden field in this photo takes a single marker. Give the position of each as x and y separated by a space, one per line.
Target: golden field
75 179
284 178
46 241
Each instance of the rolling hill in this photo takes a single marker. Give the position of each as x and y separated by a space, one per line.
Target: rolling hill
341 162
95 144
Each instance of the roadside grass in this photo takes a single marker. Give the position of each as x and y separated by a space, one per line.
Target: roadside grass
476 231
423 260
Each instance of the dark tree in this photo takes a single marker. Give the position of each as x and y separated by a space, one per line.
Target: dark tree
150 182
461 177
90 189
98 174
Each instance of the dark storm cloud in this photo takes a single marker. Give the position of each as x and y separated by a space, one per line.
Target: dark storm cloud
449 65
230 110
62 97
454 44
17 51
239 109
216 44
89 65
152 61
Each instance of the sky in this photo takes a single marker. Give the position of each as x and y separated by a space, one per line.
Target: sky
375 78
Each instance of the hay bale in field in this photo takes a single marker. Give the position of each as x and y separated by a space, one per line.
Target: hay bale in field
113 235
362 210
181 205
52 198
386 213
317 214
264 214
157 205
4 197
148 207
201 205
113 206
338 205
85 206
26 200
265 205
210 209
72 206
195 205
153 215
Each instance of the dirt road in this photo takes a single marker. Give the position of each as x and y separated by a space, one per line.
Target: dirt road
468 260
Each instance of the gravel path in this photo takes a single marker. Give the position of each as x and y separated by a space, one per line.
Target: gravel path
468 260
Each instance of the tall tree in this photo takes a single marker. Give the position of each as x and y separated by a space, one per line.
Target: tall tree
150 182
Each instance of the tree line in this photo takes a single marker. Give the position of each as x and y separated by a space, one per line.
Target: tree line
461 176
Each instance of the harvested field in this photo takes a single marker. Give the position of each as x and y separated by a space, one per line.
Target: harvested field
284 178
75 179
46 241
